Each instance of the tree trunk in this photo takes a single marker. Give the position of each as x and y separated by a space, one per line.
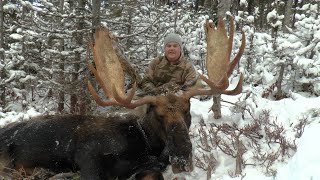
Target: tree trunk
207 4
279 93
83 105
251 54
23 53
250 7
61 95
196 5
264 9
74 75
74 78
2 70
235 8
216 107
96 4
199 3
239 155
287 16
223 7
1 30
275 29
294 13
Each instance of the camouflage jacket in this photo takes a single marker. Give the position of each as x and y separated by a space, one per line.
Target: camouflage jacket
161 72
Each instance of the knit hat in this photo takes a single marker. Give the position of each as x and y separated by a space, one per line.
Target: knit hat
172 37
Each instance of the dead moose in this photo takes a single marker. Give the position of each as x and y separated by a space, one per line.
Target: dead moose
118 146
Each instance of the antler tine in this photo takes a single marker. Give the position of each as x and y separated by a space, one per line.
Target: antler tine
239 54
213 90
230 42
98 99
127 102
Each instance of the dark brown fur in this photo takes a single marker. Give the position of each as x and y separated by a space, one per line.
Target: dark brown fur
103 147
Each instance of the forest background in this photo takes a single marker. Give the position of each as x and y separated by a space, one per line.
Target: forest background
44 44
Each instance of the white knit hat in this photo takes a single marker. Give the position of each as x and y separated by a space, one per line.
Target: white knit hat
172 37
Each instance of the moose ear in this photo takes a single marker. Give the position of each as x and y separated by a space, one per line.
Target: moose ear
150 108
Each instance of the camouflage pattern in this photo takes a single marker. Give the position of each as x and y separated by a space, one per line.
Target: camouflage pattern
160 72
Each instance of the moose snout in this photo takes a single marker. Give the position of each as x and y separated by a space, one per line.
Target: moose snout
180 148
181 165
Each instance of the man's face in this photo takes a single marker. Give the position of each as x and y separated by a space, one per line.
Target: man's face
172 51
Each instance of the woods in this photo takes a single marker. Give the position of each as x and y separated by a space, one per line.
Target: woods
43 45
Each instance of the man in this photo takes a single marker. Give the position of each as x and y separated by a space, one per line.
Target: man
171 70
169 73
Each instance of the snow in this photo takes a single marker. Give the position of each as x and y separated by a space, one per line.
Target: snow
243 3
13 116
305 163
9 6
16 36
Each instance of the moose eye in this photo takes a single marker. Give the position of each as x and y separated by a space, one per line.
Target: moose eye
161 117
161 120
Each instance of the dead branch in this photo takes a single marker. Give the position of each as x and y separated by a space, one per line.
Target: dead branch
299 128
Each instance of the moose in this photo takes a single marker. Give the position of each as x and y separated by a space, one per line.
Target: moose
120 146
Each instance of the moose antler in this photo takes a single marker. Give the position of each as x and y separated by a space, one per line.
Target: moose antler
109 72
219 48
108 69
218 64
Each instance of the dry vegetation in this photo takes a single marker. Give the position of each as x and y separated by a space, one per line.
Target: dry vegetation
260 143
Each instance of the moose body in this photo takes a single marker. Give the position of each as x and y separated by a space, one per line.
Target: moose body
100 147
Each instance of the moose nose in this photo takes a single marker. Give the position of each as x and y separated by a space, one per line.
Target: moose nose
182 166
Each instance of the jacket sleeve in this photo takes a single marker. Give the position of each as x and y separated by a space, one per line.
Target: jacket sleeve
147 83
191 76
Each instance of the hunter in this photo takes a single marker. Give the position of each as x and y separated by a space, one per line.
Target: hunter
171 71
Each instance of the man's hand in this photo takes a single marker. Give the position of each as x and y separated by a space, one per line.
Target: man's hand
168 88
163 89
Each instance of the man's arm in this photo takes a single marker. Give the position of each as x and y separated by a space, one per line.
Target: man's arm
191 76
147 83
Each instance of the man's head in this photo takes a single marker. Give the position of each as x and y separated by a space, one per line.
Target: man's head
172 47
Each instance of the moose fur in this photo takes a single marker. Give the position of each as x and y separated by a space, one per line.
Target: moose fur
116 146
